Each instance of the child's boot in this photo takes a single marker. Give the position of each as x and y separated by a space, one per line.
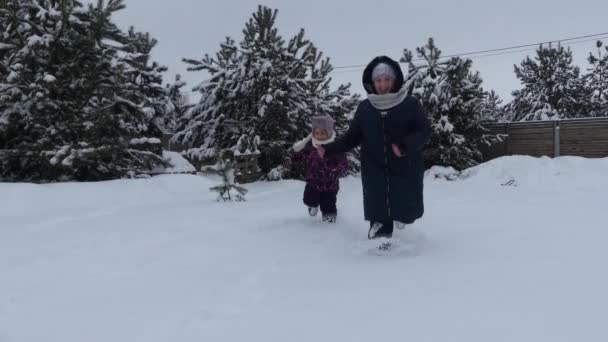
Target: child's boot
329 218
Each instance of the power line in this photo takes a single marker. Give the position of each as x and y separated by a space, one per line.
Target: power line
359 68
493 50
534 45
524 50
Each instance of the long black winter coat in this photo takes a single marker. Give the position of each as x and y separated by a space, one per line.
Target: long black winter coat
392 186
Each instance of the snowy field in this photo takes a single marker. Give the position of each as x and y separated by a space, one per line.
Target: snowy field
159 260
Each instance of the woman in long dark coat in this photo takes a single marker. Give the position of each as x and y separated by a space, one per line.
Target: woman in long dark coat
392 130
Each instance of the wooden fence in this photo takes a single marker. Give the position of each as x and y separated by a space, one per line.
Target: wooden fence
571 137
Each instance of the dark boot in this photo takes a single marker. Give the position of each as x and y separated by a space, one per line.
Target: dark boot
329 210
311 199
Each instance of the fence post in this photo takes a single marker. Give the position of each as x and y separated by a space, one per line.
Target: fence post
556 139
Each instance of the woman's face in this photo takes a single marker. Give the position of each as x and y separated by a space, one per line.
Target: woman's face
384 84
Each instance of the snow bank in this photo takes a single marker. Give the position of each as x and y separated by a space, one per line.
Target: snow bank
178 163
530 172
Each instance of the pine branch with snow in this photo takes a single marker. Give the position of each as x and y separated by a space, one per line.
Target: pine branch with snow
227 191
492 108
176 107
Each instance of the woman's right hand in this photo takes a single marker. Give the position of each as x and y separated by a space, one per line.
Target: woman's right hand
397 150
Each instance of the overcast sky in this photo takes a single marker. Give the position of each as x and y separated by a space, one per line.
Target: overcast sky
354 31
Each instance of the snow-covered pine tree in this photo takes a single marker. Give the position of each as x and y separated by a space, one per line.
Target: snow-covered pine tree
552 87
492 108
261 87
202 128
177 106
228 190
453 98
65 113
143 81
596 80
278 94
121 132
30 117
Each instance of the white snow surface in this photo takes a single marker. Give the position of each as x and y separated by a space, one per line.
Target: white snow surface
159 260
177 164
138 141
49 78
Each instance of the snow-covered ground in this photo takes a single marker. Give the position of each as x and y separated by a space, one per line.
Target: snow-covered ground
159 260
177 164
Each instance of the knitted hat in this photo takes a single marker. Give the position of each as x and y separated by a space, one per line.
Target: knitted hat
324 122
383 69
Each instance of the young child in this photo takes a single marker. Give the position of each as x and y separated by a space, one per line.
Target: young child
322 174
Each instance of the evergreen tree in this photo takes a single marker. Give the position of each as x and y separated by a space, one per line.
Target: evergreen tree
263 87
203 128
453 97
597 80
552 87
142 79
177 106
227 191
492 108
66 111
